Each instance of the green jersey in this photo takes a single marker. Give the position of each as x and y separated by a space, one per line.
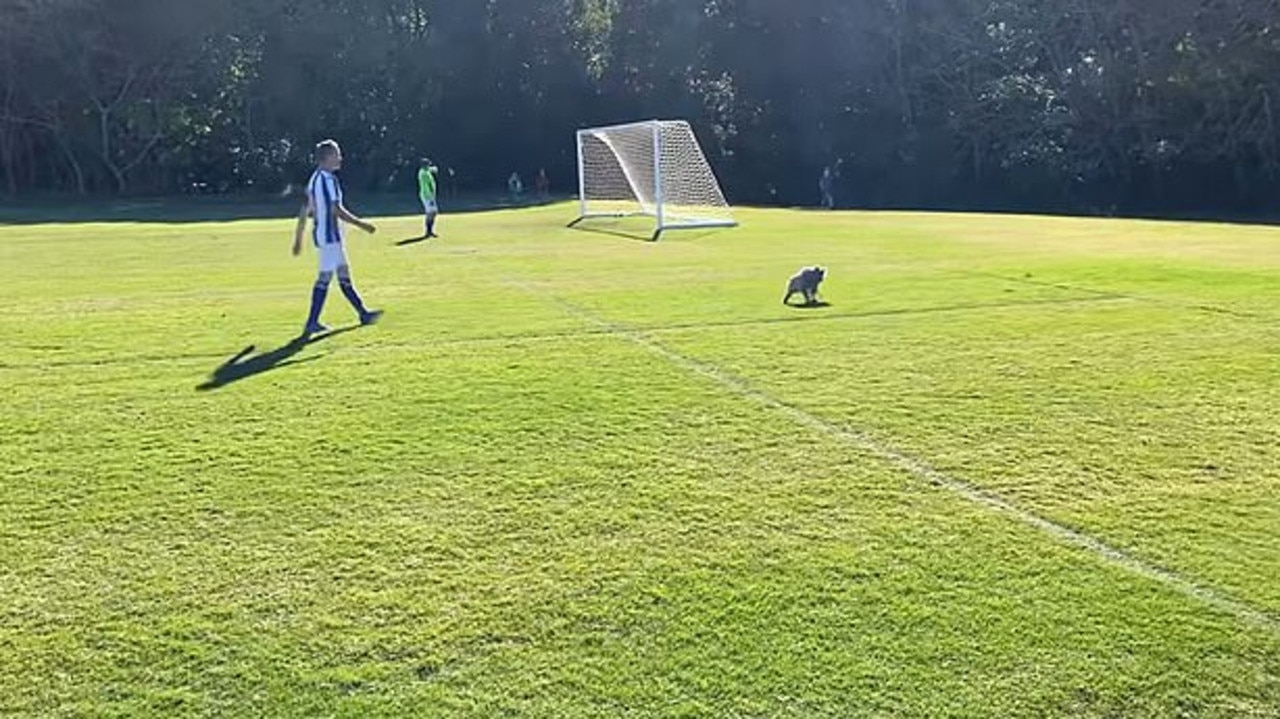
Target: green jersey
426 184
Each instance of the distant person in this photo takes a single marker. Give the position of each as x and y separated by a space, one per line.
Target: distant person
826 188
427 193
324 203
543 184
515 186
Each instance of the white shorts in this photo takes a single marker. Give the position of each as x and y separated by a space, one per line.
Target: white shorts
430 207
332 256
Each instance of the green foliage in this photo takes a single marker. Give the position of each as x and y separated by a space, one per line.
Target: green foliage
1063 103
593 25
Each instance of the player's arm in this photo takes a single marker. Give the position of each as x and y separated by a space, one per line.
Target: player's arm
301 229
347 216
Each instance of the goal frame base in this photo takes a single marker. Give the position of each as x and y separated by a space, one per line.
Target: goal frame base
657 233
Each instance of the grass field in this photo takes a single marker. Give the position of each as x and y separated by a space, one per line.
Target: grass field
1019 467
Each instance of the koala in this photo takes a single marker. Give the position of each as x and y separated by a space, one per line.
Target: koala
806 282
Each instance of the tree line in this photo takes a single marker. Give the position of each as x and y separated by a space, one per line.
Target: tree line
1084 105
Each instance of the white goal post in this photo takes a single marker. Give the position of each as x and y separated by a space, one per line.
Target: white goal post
654 169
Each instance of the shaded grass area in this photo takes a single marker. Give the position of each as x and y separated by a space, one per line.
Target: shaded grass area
200 209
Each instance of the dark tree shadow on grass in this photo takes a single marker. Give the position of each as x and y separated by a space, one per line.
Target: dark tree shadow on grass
243 366
228 208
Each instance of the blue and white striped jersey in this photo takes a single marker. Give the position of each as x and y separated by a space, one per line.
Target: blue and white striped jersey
326 195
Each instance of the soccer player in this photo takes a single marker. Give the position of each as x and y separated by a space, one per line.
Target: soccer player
324 203
427 193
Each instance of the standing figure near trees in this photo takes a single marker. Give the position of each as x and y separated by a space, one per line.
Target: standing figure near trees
542 184
427 193
826 188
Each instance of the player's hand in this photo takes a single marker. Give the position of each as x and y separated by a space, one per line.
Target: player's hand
367 227
297 248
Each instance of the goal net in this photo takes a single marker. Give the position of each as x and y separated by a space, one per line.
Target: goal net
654 169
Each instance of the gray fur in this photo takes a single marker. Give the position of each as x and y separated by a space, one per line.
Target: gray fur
805 282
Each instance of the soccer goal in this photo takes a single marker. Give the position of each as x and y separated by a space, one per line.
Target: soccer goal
652 169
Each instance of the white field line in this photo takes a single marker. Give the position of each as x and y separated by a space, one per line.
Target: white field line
923 471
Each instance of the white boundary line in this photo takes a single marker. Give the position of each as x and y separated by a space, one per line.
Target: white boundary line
923 471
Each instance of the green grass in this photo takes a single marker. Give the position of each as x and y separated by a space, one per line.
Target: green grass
576 475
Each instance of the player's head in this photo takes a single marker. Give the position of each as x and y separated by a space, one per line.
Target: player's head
329 155
427 164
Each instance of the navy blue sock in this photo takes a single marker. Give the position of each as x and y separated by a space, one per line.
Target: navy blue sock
431 226
318 294
349 290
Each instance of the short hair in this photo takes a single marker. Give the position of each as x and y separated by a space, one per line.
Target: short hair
326 149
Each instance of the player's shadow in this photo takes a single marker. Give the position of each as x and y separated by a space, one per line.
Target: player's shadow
820 304
412 241
245 364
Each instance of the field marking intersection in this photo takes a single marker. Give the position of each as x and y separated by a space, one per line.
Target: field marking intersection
922 470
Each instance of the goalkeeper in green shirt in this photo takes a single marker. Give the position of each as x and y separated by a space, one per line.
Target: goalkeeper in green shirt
427 193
